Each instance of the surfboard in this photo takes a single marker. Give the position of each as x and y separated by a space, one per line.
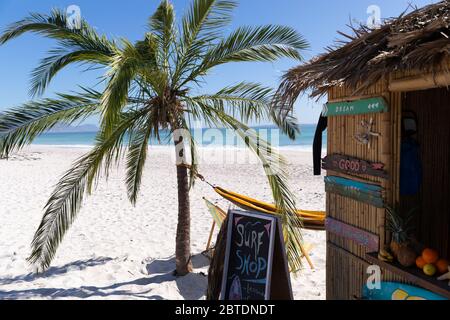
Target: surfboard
399 292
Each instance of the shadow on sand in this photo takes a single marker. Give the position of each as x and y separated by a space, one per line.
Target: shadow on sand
56 271
190 287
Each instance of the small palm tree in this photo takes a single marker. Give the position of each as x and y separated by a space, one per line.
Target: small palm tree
149 87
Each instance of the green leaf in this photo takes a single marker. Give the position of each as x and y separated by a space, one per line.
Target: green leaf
82 45
125 68
55 26
59 59
20 126
137 155
248 102
162 26
66 200
252 44
274 167
202 24
208 17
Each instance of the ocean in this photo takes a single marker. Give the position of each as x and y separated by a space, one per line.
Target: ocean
204 138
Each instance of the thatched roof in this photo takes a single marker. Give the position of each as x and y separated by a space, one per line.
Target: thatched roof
415 41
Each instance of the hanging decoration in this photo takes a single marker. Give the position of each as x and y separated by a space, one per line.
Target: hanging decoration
366 135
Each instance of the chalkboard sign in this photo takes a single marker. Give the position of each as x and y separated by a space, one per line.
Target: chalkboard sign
255 254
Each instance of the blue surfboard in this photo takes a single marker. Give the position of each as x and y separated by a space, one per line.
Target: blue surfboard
399 292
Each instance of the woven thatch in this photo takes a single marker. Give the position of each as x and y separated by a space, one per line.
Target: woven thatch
415 41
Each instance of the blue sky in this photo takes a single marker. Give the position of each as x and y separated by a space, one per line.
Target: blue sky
316 20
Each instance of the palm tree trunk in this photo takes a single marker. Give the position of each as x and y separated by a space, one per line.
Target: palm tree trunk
183 239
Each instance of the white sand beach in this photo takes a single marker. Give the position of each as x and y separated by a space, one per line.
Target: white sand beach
117 251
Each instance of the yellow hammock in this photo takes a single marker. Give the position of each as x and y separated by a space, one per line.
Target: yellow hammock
219 216
312 220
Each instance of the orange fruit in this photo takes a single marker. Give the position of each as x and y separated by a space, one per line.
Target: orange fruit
420 263
429 270
442 266
430 256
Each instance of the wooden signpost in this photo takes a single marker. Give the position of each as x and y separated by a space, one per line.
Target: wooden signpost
349 165
255 260
368 193
365 106
362 237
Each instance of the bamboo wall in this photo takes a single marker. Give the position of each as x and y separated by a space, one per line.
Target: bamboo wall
346 264
433 111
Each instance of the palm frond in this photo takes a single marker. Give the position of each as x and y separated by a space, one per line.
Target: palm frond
75 45
20 126
66 200
153 69
127 65
286 121
266 43
273 165
58 60
55 26
137 155
252 44
205 18
162 26
249 102
202 24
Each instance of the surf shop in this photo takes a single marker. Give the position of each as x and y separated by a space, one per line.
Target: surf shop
387 170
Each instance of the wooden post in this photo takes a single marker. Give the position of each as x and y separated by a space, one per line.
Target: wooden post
210 235
420 82
308 258
386 158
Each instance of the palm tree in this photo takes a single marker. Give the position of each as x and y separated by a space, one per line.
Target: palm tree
149 87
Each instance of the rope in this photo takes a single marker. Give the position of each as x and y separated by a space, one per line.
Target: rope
198 175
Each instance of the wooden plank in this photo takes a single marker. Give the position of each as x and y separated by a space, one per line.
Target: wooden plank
373 200
351 165
412 275
363 192
362 237
420 82
364 106
364 187
341 263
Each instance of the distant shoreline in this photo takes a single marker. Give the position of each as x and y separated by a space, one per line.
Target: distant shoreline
93 131
303 149
204 137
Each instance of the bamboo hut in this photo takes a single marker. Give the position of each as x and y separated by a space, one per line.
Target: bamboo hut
374 80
